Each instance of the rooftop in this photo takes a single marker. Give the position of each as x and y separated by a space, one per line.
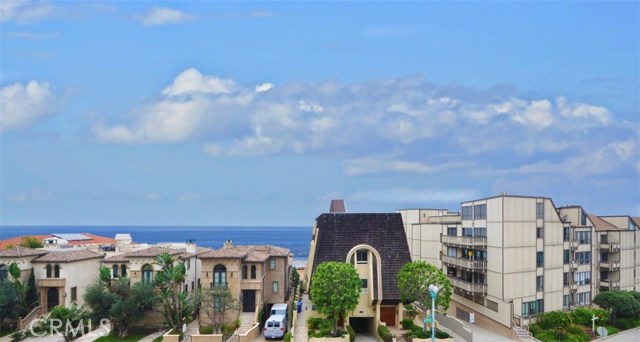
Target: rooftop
68 255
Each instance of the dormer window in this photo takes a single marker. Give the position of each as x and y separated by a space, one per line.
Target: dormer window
362 256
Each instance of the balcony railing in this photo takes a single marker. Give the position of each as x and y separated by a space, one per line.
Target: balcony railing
574 265
478 241
614 247
573 244
465 263
219 286
467 286
445 219
610 284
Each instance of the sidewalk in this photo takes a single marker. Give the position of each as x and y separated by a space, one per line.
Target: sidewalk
300 333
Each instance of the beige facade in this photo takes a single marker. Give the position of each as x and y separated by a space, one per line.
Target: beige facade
510 257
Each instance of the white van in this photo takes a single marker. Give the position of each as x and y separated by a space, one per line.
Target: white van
279 309
275 326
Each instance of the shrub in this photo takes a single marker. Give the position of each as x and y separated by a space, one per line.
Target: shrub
407 324
287 337
554 320
352 333
442 334
627 323
611 329
206 330
535 329
384 333
582 316
314 323
578 333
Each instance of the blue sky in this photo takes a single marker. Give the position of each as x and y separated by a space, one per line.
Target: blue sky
258 113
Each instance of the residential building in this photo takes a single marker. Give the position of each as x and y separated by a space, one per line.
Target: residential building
22 256
257 275
65 240
376 245
62 276
511 257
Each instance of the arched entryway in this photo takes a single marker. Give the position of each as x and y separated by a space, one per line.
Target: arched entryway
53 298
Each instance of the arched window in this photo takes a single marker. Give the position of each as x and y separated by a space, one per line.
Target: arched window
220 276
4 272
253 272
56 271
244 271
147 274
48 267
115 271
123 270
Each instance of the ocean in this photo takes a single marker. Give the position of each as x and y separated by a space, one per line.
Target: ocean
296 239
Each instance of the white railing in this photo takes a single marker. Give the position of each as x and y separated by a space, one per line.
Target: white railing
465 240
466 263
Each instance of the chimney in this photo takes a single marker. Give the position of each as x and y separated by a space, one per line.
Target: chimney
228 243
337 206
191 246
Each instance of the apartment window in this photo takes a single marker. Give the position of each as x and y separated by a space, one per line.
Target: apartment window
584 298
275 287
540 210
244 272
364 288
452 231
193 285
56 271
565 256
479 231
188 263
539 232
48 267
604 256
123 270
147 274
492 305
540 259
532 308
362 256
583 237
583 219
272 264
253 272
115 271
539 283
467 213
4 272
467 231
604 275
565 279
452 252
583 257
186 288
74 293
480 212
565 233
582 278
199 285
565 301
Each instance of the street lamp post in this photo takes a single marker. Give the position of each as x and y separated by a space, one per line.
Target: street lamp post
433 291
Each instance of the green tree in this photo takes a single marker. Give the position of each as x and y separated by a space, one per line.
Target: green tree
335 290
217 302
413 282
31 242
9 300
619 303
75 321
31 292
175 303
122 304
295 277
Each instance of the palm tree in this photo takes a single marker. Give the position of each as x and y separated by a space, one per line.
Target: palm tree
169 283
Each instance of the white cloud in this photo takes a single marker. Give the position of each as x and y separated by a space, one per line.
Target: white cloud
34 195
373 165
260 14
21 105
310 107
261 88
190 196
163 16
192 81
24 11
30 35
404 195
152 196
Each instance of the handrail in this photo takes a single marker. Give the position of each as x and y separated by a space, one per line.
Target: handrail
22 322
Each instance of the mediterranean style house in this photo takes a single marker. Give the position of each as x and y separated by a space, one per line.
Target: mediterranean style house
511 257
257 275
376 245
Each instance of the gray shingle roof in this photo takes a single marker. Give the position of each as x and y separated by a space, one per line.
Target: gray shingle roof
71 255
18 252
339 233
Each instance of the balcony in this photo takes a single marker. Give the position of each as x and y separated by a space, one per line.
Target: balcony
573 287
445 219
614 247
51 282
610 284
573 244
574 265
474 241
469 287
219 286
465 263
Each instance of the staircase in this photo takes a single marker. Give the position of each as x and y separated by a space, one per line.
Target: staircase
246 322
521 334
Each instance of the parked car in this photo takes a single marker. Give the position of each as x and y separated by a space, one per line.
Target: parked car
275 326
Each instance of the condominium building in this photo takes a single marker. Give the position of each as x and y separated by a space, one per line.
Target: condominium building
511 257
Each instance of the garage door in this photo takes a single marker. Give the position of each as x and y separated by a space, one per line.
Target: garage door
388 316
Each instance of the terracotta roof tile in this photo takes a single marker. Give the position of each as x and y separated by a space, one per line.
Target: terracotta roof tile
93 240
15 241
250 253
68 255
18 252
154 251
